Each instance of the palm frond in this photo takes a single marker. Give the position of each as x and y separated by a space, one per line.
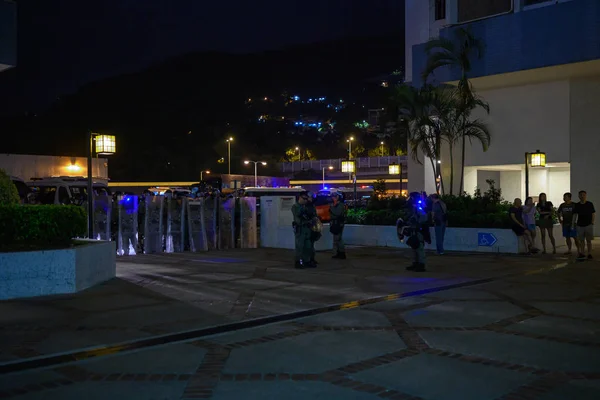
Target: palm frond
480 131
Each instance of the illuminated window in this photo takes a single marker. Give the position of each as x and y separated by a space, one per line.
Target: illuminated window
440 9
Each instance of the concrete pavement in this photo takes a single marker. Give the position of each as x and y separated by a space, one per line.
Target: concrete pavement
518 336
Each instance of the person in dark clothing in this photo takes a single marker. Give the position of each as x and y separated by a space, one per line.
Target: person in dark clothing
518 227
546 222
565 217
311 212
439 213
418 221
585 215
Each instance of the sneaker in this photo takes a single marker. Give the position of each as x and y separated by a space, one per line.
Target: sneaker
342 256
581 257
298 265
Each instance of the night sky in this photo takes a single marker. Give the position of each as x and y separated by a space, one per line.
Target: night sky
64 44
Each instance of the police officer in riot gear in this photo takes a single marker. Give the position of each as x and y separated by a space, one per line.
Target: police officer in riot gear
418 223
337 213
302 232
315 233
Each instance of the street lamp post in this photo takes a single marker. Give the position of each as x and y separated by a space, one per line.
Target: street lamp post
324 168
105 145
396 169
229 153
535 160
381 149
349 166
350 153
201 174
255 169
299 154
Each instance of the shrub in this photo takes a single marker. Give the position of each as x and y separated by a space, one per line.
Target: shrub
374 217
8 191
40 226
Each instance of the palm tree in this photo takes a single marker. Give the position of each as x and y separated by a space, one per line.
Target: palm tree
457 53
422 114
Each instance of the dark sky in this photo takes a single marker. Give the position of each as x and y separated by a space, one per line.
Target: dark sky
63 44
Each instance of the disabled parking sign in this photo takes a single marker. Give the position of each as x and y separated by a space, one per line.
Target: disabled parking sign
486 239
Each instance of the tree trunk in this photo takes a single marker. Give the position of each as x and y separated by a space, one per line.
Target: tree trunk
438 172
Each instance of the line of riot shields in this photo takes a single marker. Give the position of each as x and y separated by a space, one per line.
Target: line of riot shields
155 224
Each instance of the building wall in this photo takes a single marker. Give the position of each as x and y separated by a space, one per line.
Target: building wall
585 138
559 183
567 32
522 119
511 185
417 25
483 176
33 166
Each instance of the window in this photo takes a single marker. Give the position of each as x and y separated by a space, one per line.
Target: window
63 196
44 194
440 9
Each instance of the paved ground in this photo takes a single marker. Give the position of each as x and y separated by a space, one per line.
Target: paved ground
518 336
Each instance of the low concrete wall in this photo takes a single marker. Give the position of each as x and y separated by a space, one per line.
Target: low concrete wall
42 273
456 239
285 239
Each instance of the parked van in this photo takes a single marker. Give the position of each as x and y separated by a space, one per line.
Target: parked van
22 188
64 190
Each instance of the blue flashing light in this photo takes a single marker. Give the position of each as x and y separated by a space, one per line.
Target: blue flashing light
326 188
296 98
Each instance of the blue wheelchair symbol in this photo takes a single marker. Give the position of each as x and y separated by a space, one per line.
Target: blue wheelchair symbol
486 239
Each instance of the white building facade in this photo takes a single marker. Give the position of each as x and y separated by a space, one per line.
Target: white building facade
540 74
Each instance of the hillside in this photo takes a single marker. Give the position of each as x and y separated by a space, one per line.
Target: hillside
172 118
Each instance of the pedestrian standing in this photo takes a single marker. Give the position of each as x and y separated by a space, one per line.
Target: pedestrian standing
315 235
439 212
337 213
528 218
565 217
519 227
585 215
302 233
546 222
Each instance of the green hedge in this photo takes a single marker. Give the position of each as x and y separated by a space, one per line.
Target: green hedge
40 226
463 212
8 191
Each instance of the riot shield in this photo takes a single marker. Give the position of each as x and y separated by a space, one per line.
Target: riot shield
226 223
153 225
174 242
247 223
197 232
102 217
210 222
127 239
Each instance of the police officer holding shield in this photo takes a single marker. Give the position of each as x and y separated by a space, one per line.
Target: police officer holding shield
302 233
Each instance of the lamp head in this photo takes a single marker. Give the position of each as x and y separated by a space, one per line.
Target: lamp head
246 162
263 163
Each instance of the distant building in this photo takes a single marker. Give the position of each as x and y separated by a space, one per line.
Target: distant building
8 34
541 76
28 167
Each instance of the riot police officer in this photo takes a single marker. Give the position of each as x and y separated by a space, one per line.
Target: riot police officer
337 213
315 234
418 220
302 233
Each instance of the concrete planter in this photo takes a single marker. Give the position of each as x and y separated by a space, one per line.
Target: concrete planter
457 239
42 273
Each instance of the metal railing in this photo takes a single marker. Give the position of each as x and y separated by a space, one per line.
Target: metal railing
362 163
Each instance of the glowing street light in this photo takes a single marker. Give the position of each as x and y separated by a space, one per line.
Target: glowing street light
396 169
299 154
105 145
324 168
229 154
533 160
201 174
381 149
255 169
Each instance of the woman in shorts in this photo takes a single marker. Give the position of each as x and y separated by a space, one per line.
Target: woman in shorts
529 212
519 228
546 221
